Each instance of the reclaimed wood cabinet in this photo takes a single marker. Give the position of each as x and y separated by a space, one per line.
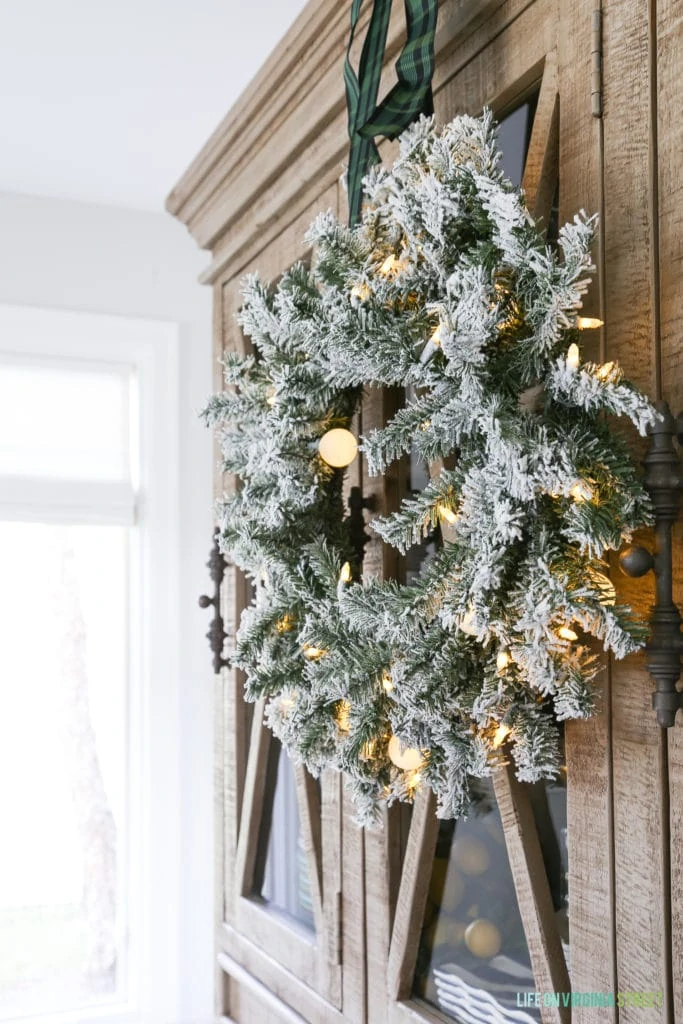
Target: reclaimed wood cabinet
317 920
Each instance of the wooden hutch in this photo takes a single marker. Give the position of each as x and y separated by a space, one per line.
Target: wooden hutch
346 925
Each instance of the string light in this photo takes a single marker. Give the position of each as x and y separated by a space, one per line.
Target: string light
345 575
467 623
338 447
392 265
408 758
589 323
608 595
448 514
435 337
573 357
581 491
285 624
565 633
500 735
503 659
368 751
413 781
344 716
387 682
312 652
361 291
271 397
605 371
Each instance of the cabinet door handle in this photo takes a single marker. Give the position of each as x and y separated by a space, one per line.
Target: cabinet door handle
216 634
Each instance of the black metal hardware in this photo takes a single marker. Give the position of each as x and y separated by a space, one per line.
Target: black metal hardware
216 634
359 538
664 481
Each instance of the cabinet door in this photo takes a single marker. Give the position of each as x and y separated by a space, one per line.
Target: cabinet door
520 897
286 869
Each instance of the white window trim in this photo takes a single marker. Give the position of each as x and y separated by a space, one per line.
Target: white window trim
152 349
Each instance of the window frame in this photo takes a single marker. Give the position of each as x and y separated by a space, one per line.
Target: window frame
150 348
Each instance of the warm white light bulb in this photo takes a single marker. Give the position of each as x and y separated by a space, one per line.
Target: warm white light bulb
500 735
573 357
408 759
448 514
567 634
589 323
467 623
344 717
605 371
387 682
390 264
581 491
345 574
608 595
313 653
360 291
502 660
338 447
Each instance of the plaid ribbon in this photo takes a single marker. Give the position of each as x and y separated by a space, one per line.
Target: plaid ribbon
411 96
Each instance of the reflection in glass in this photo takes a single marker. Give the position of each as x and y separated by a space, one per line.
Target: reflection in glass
473 954
285 884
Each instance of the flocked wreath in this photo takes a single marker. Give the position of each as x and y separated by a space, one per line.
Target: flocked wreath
446 288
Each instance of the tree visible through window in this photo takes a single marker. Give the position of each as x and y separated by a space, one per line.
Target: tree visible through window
66 515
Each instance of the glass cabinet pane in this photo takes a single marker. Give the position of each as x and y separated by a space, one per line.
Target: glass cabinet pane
284 883
473 955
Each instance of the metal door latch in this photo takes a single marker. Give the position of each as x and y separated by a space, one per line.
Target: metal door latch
216 634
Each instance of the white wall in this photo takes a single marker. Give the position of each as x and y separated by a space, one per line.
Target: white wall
68 255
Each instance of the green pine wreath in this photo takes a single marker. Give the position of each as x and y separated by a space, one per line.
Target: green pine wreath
448 289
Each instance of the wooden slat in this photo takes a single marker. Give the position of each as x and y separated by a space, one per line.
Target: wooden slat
267 970
667 119
502 59
416 1011
331 865
533 892
381 855
268 1002
277 933
588 744
354 975
632 339
254 793
541 170
412 898
264 813
458 20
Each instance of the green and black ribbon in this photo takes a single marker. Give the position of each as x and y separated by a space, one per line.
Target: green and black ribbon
411 96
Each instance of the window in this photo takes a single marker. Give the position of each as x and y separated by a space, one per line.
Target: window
88 691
